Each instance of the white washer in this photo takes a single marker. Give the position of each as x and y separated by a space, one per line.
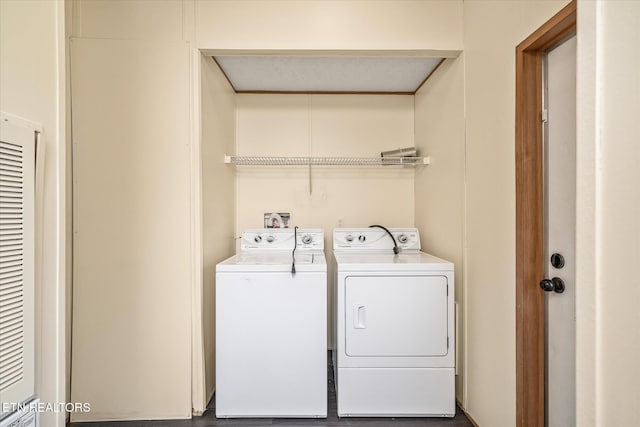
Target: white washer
271 327
394 318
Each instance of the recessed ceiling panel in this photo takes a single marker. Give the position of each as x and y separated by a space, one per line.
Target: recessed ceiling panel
326 74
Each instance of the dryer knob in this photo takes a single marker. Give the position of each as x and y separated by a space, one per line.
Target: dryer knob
306 239
257 239
270 239
403 238
362 238
349 238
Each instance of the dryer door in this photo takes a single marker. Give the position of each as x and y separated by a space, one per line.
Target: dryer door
396 316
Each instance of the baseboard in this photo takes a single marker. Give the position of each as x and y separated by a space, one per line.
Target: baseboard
466 414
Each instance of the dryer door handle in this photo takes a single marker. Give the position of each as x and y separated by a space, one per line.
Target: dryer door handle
359 316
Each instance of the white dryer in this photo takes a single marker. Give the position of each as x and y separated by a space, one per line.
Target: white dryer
271 326
394 318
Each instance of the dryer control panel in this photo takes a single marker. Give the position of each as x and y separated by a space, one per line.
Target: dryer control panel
375 239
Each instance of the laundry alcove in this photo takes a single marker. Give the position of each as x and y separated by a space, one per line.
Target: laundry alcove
327 104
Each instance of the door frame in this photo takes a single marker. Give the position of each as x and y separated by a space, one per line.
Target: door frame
530 336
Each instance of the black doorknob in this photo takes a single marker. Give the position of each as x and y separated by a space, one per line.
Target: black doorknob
556 284
546 285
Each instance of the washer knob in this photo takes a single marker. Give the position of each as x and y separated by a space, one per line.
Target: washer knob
403 238
257 239
349 238
362 238
270 238
306 239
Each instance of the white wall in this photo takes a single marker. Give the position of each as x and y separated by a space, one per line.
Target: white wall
318 24
492 29
218 195
132 229
608 208
32 86
439 187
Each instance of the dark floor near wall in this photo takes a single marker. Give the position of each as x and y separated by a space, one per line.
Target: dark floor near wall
209 419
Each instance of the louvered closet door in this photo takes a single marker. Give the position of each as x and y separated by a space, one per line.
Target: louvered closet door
17 176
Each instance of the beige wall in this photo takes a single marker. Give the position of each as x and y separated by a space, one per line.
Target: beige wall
132 268
32 86
608 208
255 24
68 310
492 29
318 24
132 235
324 125
132 19
218 195
439 187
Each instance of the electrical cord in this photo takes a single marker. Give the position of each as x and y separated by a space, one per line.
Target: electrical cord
396 249
293 254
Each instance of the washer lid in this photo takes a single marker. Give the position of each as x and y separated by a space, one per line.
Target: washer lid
407 261
273 262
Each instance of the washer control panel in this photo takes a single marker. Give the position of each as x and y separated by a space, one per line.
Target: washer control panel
375 239
282 239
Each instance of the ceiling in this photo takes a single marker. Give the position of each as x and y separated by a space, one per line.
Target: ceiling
275 73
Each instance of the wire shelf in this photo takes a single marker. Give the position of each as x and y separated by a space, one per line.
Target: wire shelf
326 161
